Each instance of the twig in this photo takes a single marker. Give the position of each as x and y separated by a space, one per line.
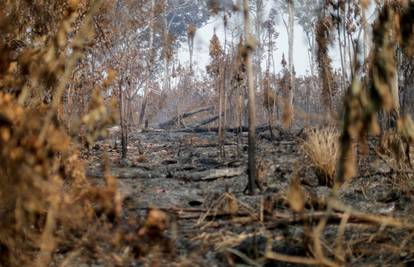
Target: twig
244 257
270 255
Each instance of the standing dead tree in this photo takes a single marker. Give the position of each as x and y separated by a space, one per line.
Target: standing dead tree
238 84
269 99
191 31
216 71
323 41
288 7
249 47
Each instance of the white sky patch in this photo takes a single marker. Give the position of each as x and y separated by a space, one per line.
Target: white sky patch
203 35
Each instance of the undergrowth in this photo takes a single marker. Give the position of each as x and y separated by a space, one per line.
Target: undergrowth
50 213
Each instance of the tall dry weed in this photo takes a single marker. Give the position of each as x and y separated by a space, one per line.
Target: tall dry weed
47 204
321 148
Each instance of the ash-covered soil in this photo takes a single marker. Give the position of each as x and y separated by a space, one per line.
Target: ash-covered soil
212 222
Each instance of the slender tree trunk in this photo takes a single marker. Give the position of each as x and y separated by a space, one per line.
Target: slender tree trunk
130 118
151 64
151 33
365 29
350 66
251 186
142 111
341 54
239 108
350 55
222 101
259 48
124 130
270 106
312 86
291 32
366 45
166 50
220 84
191 31
395 113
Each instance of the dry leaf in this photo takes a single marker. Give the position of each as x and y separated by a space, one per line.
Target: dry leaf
296 196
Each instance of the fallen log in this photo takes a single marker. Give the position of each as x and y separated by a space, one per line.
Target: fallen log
172 122
127 173
209 175
229 130
204 122
215 144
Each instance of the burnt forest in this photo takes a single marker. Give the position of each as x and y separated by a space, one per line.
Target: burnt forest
206 133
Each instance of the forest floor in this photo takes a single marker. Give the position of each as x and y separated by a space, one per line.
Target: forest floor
212 222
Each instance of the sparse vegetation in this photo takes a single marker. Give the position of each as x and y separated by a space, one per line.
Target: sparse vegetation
129 131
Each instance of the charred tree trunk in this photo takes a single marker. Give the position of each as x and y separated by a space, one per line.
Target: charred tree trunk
167 48
289 105
221 116
142 111
259 51
251 186
191 30
124 130
222 108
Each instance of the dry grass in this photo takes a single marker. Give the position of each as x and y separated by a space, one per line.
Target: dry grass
321 148
48 207
395 150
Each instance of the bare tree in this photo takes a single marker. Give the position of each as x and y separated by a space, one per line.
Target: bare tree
191 31
259 43
249 46
124 130
288 7
289 105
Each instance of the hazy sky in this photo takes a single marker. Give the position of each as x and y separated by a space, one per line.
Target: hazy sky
204 34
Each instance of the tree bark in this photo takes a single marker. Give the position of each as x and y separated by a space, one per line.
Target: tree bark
173 121
222 107
259 50
220 83
311 54
166 49
143 109
341 54
395 113
251 186
291 32
124 131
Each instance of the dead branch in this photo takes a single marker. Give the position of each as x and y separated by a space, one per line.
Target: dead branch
127 173
172 122
204 122
229 130
212 174
291 259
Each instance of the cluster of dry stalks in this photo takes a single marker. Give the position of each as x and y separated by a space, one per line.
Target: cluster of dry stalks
46 201
321 148
49 211
362 104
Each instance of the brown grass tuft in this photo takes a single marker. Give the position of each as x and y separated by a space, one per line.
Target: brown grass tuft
395 150
321 148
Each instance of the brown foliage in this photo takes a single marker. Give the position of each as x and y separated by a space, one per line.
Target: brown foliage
216 54
46 200
323 41
270 98
362 104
